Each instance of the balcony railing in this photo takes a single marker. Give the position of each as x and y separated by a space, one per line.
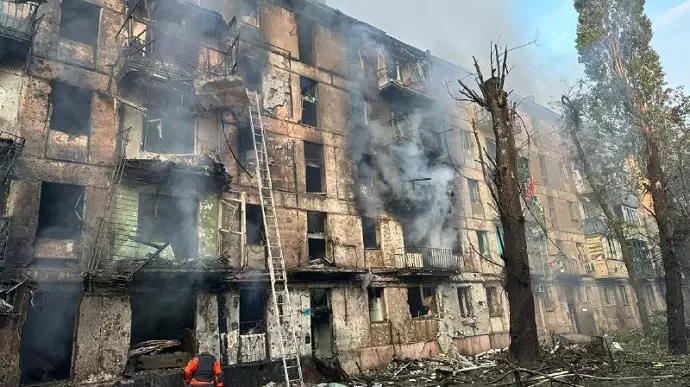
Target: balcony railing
413 257
18 20
168 51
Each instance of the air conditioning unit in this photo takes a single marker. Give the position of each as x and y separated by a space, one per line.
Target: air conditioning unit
540 288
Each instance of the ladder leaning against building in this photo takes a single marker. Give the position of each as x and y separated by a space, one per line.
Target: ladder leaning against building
282 307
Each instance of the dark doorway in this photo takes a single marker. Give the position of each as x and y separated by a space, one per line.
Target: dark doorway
321 325
163 316
252 310
45 350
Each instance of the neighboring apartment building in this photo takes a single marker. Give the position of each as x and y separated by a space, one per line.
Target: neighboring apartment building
135 213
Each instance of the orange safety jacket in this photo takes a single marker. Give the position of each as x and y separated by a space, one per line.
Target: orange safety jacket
203 370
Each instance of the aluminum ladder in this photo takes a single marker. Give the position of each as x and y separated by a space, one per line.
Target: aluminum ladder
282 307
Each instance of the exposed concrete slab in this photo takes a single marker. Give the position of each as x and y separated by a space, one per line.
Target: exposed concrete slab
221 92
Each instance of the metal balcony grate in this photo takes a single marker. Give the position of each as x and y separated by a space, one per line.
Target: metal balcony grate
18 20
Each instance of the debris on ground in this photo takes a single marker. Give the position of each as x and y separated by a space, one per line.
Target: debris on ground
630 360
151 346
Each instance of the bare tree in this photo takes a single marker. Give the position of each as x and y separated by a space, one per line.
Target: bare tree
505 189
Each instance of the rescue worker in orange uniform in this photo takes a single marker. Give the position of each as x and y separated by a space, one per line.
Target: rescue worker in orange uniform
203 370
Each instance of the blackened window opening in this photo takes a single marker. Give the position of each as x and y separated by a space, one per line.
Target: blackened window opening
165 218
79 21
164 316
60 211
255 225
306 29
416 303
465 300
369 233
309 98
169 126
45 350
252 310
250 71
71 108
316 235
245 141
313 161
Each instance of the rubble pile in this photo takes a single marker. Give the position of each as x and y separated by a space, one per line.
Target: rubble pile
575 361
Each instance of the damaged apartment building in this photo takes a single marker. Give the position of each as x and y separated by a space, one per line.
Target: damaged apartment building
137 222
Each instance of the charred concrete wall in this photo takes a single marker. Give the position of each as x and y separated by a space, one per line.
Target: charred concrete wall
102 339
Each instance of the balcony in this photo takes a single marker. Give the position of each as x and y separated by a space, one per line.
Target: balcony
10 148
178 43
404 81
18 20
427 259
413 196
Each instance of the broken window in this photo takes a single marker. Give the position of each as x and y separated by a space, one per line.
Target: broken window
252 309
245 142
376 310
609 296
45 349
624 295
306 30
422 301
79 21
167 315
255 225
309 98
483 242
465 300
316 235
60 211
370 233
250 71
169 126
493 299
71 108
544 170
473 186
168 219
499 239
313 161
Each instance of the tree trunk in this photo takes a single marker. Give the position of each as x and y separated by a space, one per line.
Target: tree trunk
675 311
614 223
524 347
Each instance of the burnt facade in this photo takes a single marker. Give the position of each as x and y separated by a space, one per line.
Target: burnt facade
132 214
